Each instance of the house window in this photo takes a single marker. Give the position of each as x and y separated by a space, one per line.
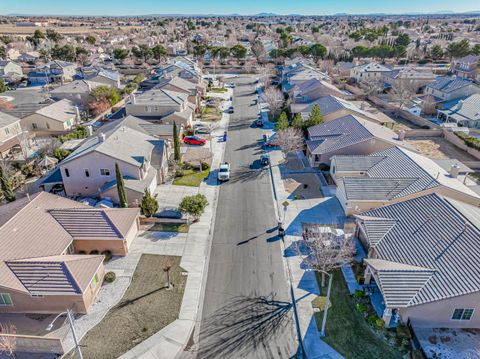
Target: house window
87 173
7 131
48 125
34 125
462 314
5 299
67 172
104 171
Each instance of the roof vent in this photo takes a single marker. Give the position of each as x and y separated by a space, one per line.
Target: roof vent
454 170
101 137
401 135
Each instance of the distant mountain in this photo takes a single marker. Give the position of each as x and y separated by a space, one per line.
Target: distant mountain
265 14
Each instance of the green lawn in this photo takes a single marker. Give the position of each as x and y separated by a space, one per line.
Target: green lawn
347 330
218 90
170 227
191 178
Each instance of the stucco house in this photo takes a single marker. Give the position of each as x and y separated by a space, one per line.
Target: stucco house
57 118
90 169
311 90
50 273
369 72
423 261
77 91
11 134
186 70
393 175
445 89
157 104
10 70
467 66
100 75
349 135
415 80
177 84
332 107
465 112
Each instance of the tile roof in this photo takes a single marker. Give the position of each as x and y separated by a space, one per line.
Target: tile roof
401 171
346 131
6 119
449 84
62 110
465 110
430 232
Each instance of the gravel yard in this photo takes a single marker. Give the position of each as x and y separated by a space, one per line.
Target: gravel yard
146 308
439 148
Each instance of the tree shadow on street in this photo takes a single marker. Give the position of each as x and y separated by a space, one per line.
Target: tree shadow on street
246 173
245 325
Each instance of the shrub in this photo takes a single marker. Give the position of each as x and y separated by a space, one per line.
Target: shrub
149 204
205 166
403 332
189 132
470 141
193 205
82 252
371 319
108 256
110 277
359 293
94 252
60 153
362 308
324 167
379 323
179 172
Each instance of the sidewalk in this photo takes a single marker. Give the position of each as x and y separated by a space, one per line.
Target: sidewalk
305 286
171 340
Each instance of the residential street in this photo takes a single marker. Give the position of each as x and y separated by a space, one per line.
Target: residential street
247 311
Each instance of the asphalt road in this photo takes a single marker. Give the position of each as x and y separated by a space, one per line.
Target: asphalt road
247 310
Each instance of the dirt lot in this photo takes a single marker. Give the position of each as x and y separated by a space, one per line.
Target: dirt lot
74 30
439 148
145 308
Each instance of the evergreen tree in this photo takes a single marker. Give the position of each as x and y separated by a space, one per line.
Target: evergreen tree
6 186
282 122
176 143
149 204
122 195
315 117
298 122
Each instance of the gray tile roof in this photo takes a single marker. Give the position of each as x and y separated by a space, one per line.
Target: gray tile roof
430 232
449 84
346 131
6 119
465 110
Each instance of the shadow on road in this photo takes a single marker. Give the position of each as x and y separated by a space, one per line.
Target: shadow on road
245 174
243 326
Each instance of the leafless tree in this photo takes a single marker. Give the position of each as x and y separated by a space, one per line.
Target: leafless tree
428 105
370 87
274 98
402 92
289 140
8 341
166 268
326 250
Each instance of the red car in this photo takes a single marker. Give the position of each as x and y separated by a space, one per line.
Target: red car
194 140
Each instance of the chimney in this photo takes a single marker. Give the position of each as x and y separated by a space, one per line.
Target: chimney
77 113
454 170
89 86
460 105
401 135
101 137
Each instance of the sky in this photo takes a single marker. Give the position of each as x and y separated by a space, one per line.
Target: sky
243 7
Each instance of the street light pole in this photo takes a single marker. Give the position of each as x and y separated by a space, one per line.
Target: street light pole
69 314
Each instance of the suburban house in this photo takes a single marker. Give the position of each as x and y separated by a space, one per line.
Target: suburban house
332 107
102 76
10 71
58 117
183 69
43 241
423 262
313 89
465 112
369 72
77 91
30 57
300 72
467 67
54 71
393 175
409 77
160 105
445 89
349 135
177 84
11 134
90 169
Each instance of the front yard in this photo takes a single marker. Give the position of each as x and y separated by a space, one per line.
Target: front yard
347 330
170 227
146 307
191 178
211 114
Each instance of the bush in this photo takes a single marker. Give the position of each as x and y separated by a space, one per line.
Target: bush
108 256
470 141
205 166
371 319
94 252
79 133
60 153
82 252
362 308
359 293
379 323
193 205
324 167
179 172
110 277
149 204
189 132
26 169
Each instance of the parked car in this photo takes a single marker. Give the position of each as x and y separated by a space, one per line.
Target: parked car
259 122
229 110
194 140
224 172
271 142
230 85
171 213
201 129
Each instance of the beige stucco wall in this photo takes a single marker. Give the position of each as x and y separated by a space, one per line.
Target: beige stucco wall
150 110
439 314
77 184
46 124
